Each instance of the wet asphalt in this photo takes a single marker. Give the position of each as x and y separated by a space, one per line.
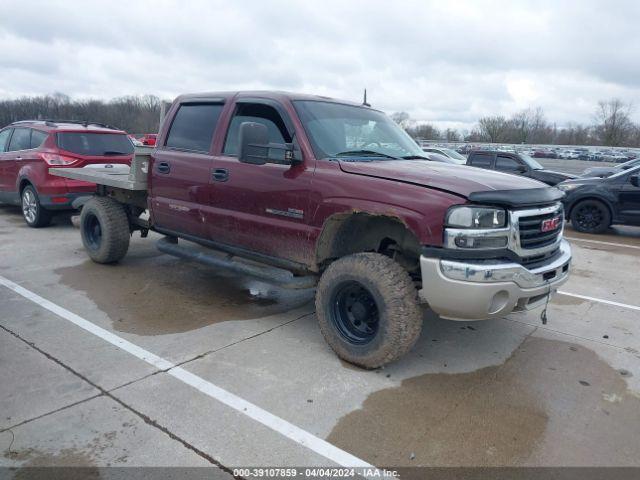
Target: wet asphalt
505 392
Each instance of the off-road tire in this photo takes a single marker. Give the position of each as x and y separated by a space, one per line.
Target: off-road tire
34 214
104 227
597 206
398 311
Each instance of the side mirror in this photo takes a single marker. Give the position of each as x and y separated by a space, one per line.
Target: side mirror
254 143
256 149
522 169
635 180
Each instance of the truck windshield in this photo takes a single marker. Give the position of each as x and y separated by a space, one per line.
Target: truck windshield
86 143
337 130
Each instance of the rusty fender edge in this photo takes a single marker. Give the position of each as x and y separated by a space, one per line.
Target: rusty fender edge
277 276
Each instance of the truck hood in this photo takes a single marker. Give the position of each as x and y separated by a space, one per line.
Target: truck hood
457 179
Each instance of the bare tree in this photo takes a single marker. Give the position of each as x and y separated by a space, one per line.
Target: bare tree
402 118
493 129
425 131
613 125
451 135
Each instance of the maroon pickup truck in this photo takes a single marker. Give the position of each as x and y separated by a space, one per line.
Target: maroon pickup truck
307 191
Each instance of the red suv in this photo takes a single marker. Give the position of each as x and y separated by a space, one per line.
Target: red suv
27 150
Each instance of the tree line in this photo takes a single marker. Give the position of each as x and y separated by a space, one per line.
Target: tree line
134 114
611 126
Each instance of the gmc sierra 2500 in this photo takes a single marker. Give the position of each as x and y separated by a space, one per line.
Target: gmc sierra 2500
313 190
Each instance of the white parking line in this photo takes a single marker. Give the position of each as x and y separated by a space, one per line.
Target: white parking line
603 243
599 300
281 426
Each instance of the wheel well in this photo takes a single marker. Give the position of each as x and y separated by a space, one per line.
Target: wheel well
23 184
597 199
345 234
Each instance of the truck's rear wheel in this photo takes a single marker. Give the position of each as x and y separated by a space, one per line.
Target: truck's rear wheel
104 227
368 309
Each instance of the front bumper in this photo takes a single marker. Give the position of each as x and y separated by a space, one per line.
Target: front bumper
483 289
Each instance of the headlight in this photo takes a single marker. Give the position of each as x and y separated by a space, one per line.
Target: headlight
476 217
568 186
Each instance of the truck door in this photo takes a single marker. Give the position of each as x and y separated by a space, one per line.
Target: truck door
481 160
508 164
180 169
262 208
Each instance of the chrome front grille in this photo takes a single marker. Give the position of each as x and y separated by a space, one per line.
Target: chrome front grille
531 234
530 239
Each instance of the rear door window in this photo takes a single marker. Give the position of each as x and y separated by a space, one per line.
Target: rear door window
37 137
94 143
507 164
193 127
20 140
481 160
4 139
259 113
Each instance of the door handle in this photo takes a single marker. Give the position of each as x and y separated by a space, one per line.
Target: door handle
221 175
18 158
164 167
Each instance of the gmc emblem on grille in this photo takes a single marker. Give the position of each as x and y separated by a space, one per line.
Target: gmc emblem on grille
551 224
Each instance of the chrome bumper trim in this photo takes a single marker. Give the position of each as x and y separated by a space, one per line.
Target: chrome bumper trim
489 271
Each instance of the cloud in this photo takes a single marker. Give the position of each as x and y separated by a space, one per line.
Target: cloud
444 62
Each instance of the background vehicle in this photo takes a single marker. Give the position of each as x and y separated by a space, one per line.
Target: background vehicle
148 139
135 141
320 191
447 152
29 148
437 157
544 154
517 164
602 172
593 204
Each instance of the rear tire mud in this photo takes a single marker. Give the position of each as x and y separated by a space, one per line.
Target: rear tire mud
104 227
368 309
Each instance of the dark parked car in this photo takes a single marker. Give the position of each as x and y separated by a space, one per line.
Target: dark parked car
29 148
593 204
517 164
603 172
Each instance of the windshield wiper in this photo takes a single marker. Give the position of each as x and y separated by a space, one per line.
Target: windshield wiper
414 157
364 153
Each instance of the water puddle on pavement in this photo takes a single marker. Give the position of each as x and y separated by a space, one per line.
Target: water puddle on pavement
550 403
157 294
37 465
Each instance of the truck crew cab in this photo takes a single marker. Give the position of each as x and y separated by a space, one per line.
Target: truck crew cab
317 191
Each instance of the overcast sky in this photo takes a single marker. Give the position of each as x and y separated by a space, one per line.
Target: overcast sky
445 62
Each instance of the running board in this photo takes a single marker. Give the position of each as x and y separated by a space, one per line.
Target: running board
277 276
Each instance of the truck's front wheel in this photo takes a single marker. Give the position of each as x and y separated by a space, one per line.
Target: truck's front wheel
104 227
368 309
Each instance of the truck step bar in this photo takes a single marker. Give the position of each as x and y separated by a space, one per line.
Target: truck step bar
277 276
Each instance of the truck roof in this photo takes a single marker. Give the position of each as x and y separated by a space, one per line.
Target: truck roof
269 94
